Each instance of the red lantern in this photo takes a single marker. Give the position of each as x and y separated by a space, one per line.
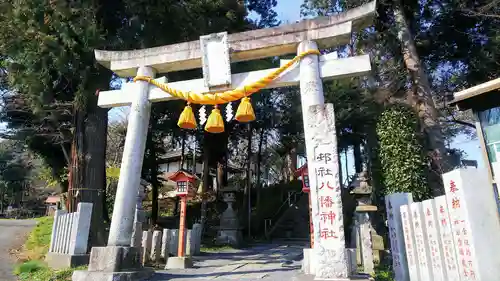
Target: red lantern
184 183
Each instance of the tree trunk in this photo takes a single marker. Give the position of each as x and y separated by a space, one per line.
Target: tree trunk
105 214
292 164
204 187
151 171
259 159
340 169
2 198
423 100
77 155
346 162
150 166
358 158
95 169
183 149
247 205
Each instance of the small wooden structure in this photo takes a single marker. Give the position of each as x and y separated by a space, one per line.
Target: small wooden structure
52 203
484 101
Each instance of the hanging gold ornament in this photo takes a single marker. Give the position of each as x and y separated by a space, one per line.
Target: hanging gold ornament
187 119
245 111
215 124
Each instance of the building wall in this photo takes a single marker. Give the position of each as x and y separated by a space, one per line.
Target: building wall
175 166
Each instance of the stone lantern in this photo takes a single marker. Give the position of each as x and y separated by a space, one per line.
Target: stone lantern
362 192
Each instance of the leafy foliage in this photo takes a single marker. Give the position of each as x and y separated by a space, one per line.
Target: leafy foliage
15 171
383 273
401 152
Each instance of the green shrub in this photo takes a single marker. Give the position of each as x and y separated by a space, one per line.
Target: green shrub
383 273
29 267
38 271
401 153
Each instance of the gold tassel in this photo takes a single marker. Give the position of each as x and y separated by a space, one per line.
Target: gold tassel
187 119
215 124
245 111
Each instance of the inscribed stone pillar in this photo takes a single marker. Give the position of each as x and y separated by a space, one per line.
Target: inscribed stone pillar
422 244
331 259
433 234
393 203
189 243
147 237
120 233
165 244
156 246
174 241
475 223
410 246
196 236
446 238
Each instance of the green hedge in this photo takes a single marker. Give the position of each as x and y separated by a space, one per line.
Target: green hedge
401 153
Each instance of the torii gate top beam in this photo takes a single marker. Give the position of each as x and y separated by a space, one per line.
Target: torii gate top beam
255 44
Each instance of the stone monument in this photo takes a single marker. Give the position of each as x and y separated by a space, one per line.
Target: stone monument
474 222
393 203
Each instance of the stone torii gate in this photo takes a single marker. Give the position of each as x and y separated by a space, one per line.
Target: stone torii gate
214 53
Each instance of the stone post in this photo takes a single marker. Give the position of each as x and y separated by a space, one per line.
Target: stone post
54 239
189 243
147 237
366 242
196 236
165 244
138 219
120 233
80 229
393 203
156 246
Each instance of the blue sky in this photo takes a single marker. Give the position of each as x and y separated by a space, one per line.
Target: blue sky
288 10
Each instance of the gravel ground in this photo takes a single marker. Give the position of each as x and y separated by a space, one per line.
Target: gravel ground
12 236
263 263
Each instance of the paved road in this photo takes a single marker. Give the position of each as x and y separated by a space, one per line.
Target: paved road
266 263
12 235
